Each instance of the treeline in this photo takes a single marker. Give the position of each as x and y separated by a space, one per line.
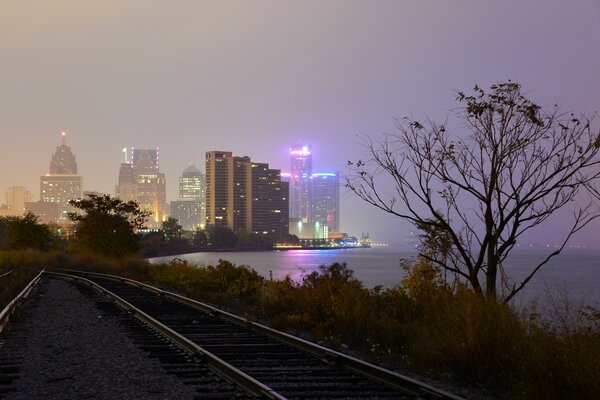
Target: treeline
26 232
172 239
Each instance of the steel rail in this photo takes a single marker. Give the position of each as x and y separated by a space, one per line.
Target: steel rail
7 273
215 364
10 308
370 371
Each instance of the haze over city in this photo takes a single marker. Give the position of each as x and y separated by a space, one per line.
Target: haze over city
257 77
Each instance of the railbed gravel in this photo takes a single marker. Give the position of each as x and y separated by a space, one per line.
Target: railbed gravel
68 355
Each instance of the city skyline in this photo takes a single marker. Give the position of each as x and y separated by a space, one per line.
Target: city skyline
254 79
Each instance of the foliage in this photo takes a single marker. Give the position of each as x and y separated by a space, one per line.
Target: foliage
171 229
25 264
200 238
220 237
107 226
24 232
479 193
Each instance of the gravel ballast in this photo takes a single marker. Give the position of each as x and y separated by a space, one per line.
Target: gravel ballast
71 349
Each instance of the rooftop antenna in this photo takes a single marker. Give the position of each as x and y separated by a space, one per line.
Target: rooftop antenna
63 134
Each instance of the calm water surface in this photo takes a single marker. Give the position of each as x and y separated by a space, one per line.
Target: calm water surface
577 272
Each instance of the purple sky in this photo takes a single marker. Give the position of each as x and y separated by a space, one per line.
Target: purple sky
255 77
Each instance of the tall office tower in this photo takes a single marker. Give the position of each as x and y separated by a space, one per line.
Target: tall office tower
216 187
237 189
145 161
189 210
191 184
244 195
150 184
63 160
267 204
16 197
62 183
301 171
126 189
326 200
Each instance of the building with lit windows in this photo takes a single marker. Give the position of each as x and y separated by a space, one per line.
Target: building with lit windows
314 197
189 210
63 183
267 202
150 184
242 194
300 182
326 200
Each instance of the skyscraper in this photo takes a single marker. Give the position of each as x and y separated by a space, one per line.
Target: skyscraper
191 184
189 210
126 189
150 184
16 197
266 200
244 195
301 171
62 184
326 200
217 188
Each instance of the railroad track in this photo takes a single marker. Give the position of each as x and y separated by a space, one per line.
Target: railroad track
265 362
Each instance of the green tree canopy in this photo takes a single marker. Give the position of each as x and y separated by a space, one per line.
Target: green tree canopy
107 225
171 228
25 232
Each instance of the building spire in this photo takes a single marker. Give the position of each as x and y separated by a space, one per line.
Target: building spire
63 136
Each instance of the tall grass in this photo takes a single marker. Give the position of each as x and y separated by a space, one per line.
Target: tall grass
25 265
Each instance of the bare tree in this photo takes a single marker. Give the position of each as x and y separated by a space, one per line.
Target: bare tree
516 166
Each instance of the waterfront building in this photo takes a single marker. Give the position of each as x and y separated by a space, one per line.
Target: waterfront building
267 203
245 195
63 183
326 200
15 199
216 168
300 182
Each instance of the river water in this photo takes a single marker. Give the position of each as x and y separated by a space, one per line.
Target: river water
575 272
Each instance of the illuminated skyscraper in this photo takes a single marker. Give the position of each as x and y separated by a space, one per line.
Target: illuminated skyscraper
145 161
217 187
62 184
301 171
189 210
241 194
150 185
326 200
191 184
266 200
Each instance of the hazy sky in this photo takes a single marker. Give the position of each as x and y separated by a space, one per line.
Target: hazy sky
255 77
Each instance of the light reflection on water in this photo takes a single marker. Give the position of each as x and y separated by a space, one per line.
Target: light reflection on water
578 272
